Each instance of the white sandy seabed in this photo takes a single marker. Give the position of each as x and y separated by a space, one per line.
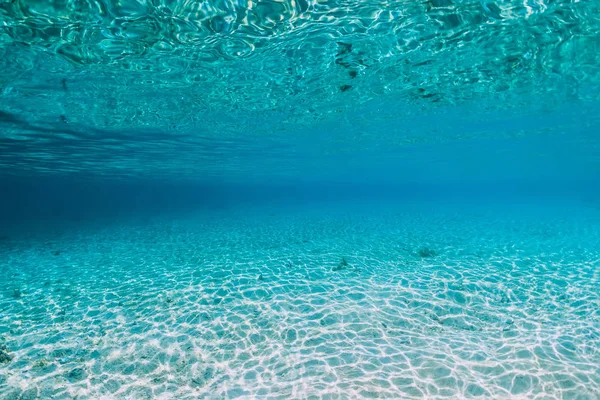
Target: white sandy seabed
393 304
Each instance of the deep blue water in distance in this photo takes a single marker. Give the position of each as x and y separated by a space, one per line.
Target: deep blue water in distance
299 199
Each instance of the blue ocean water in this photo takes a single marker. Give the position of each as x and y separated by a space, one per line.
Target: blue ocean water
299 199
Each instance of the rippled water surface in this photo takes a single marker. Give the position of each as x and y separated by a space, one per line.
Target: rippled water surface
190 88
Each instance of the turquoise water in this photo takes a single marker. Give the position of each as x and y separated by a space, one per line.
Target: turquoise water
299 199
394 301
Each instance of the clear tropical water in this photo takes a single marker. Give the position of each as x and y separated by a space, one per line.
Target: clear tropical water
299 199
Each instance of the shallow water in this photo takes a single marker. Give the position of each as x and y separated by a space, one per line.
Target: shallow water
403 302
299 199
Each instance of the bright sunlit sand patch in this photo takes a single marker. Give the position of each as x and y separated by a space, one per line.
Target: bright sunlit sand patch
347 304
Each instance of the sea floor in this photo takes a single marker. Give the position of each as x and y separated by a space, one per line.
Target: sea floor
392 302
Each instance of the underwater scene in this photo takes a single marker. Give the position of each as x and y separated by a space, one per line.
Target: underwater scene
299 199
